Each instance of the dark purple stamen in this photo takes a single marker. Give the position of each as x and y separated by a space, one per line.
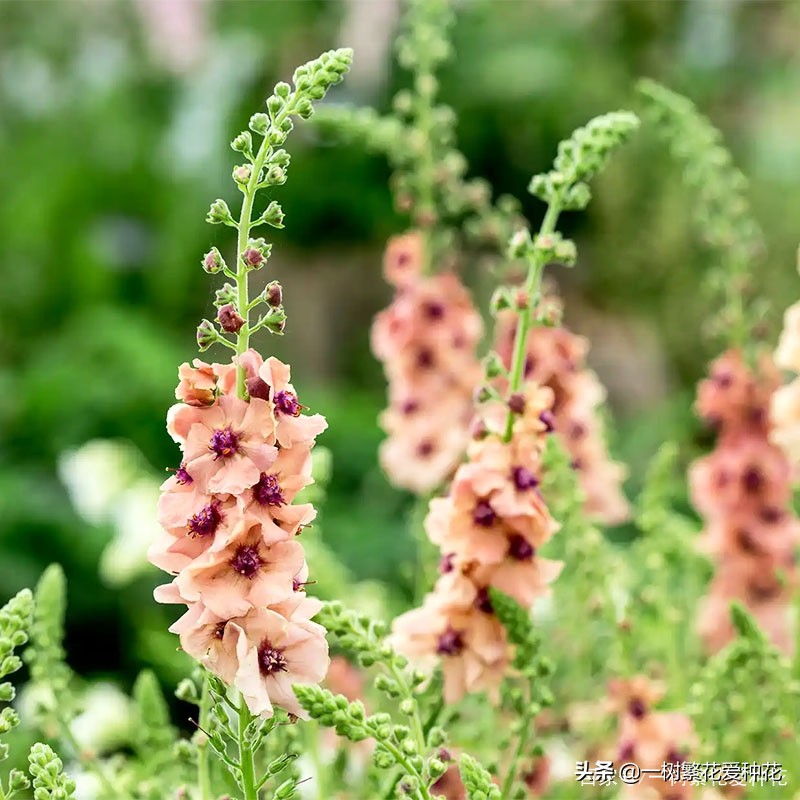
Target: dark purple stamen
516 403
520 549
675 756
224 443
770 515
747 541
246 560
270 659
206 521
219 629
548 420
446 563
434 310
483 514
409 407
182 476
723 379
424 359
451 643
577 431
636 708
530 363
425 448
752 480
523 478
626 752
267 492
576 463
287 403
483 602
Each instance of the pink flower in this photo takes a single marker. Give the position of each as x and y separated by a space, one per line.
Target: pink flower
246 572
197 383
226 446
291 426
471 644
402 261
209 639
228 374
275 653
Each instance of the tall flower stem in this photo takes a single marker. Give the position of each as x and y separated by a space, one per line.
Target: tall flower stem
246 758
533 283
513 768
203 775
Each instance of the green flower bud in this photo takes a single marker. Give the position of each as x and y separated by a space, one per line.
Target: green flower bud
243 143
207 334
259 123
242 174
213 261
227 294
219 214
273 215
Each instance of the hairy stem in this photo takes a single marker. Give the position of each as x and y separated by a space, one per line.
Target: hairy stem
246 757
533 283
203 774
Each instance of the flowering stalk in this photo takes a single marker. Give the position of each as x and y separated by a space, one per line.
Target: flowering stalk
230 523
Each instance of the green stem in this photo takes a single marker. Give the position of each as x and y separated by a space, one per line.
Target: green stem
246 758
513 767
203 774
426 179
244 226
401 759
533 284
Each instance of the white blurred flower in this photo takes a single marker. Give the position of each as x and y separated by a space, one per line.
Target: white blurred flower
87 785
105 722
134 521
95 474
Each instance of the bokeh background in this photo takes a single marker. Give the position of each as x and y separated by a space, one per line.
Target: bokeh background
115 119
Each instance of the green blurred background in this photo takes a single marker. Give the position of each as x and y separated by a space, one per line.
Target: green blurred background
115 119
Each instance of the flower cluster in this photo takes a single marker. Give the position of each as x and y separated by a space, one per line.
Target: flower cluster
555 357
785 408
230 530
743 491
649 738
426 340
488 529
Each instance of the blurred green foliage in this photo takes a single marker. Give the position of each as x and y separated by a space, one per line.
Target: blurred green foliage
111 150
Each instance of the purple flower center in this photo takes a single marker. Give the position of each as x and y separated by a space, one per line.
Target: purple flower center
287 403
752 479
424 359
409 407
434 310
524 478
483 514
549 421
219 629
224 443
675 756
446 563
483 602
626 751
206 521
182 476
770 515
425 448
267 492
451 643
636 708
270 659
246 560
520 549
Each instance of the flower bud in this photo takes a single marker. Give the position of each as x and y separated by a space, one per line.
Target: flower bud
243 143
520 244
274 294
276 176
227 294
516 403
220 214
242 174
206 334
213 261
259 123
229 319
273 215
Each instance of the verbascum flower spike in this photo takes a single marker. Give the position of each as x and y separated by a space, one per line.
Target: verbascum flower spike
228 512
493 521
743 488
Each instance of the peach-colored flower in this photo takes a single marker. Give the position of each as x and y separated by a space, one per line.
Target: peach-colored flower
197 383
227 374
226 446
472 644
291 426
556 359
402 262
787 354
743 490
274 653
785 420
246 572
